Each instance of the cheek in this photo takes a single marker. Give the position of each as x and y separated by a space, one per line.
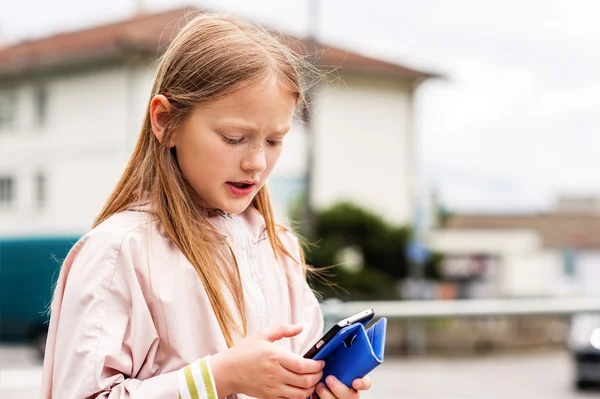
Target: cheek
215 157
200 163
227 158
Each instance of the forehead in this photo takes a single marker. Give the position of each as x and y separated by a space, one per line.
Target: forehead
258 99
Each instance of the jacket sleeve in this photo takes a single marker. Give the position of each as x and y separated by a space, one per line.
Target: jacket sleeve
103 342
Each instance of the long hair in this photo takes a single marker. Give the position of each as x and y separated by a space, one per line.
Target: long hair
211 56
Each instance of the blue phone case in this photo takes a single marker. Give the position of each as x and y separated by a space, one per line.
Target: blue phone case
354 352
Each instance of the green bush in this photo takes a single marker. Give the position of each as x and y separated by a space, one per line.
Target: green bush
381 244
366 284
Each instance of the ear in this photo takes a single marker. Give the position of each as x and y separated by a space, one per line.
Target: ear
160 107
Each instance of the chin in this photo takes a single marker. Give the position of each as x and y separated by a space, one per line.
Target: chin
235 207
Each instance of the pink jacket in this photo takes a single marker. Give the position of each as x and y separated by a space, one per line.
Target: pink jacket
131 319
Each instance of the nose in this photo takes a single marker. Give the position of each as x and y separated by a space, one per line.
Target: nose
254 160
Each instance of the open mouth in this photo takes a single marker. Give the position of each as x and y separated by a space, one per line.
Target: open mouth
241 189
241 185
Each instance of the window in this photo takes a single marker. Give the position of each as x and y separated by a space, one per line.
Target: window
40 189
7 190
7 109
41 105
569 257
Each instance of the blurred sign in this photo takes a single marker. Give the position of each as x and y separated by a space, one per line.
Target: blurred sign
416 252
465 267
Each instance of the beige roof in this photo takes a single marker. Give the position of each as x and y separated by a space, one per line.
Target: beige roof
557 230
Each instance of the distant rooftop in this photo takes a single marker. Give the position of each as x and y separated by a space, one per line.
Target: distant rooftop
557 229
578 204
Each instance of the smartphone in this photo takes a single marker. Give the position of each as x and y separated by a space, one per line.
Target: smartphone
361 317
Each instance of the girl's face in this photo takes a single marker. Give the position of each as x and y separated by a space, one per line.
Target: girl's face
226 149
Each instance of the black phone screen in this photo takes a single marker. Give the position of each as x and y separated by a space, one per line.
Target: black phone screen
360 317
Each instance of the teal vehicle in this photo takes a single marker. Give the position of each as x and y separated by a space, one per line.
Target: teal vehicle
29 268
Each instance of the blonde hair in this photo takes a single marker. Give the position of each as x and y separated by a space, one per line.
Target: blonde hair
211 56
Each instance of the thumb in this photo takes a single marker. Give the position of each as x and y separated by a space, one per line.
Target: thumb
276 333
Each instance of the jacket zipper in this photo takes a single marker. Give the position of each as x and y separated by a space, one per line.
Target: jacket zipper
258 293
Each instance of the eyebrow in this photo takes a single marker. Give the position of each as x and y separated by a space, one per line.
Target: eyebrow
251 128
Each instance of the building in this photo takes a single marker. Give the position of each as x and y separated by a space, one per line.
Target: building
71 107
524 255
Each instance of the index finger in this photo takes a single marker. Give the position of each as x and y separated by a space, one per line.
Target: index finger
299 365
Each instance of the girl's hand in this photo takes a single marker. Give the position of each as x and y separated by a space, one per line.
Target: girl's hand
336 390
256 367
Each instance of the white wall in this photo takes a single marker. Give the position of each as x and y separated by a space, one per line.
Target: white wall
588 272
93 120
525 268
140 76
463 241
531 274
364 147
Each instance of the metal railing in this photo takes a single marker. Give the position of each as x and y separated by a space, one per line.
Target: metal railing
422 309
415 312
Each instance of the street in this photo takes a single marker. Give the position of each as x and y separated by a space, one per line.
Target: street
531 376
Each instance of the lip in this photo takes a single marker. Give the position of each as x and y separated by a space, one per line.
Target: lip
241 192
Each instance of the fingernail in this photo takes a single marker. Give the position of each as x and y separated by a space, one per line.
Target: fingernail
330 380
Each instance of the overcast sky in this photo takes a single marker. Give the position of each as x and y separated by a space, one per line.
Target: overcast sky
516 123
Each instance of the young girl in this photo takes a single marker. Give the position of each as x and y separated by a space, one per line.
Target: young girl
186 287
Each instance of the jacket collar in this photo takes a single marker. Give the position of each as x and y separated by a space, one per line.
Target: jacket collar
251 220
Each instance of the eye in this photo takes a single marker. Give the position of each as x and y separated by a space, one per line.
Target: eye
232 141
274 143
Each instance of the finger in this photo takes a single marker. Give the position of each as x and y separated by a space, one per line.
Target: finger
276 333
324 392
299 365
362 384
300 380
340 390
288 391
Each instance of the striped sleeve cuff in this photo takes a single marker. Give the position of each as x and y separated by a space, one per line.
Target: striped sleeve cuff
196 381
